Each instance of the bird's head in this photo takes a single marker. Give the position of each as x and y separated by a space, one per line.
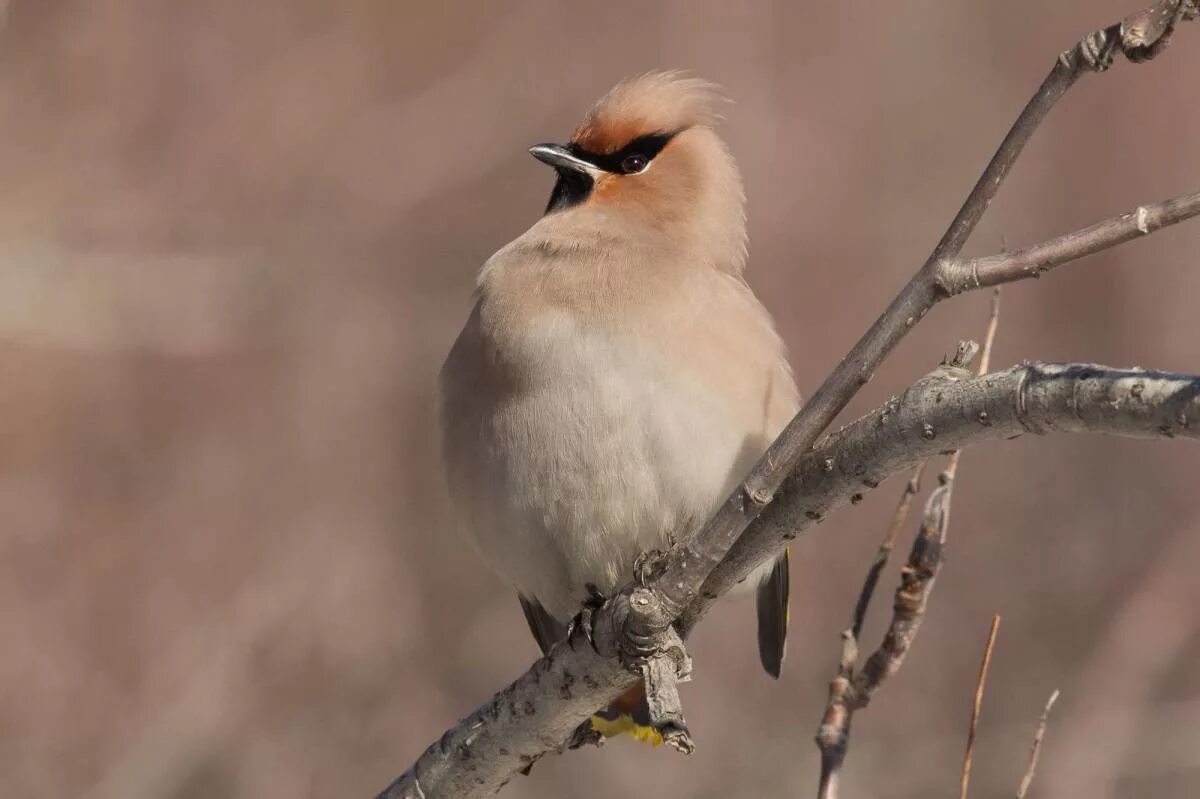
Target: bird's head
646 154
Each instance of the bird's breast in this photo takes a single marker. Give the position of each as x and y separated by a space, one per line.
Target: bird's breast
582 433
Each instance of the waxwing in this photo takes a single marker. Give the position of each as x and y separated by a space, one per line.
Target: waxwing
616 377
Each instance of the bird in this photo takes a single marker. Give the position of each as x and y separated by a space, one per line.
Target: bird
616 377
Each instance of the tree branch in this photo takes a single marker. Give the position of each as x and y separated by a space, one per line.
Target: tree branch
911 489
502 738
849 692
539 712
957 276
1036 748
1139 37
536 714
938 414
977 708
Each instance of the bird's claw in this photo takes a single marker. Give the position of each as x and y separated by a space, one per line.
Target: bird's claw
583 619
649 566
596 598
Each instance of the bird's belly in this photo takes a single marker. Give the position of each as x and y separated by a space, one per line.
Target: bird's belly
612 453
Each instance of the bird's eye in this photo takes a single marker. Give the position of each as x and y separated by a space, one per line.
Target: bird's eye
634 163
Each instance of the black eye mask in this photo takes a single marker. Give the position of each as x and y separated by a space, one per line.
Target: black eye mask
573 187
647 147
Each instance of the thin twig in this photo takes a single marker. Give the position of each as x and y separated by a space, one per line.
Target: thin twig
908 610
985 360
989 336
911 489
977 707
833 737
851 691
848 692
957 276
1036 747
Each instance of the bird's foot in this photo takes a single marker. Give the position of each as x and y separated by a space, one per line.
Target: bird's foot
583 619
649 566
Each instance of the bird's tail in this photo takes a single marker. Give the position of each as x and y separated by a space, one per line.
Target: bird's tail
628 715
773 617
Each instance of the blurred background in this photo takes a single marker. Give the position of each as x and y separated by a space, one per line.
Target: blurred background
238 239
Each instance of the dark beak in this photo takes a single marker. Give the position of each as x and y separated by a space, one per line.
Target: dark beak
560 157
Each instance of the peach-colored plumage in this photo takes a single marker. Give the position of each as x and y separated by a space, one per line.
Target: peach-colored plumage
656 101
616 376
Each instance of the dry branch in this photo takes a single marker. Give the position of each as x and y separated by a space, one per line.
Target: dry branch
1027 780
940 414
911 489
977 707
537 713
957 276
833 735
848 693
780 494
1139 37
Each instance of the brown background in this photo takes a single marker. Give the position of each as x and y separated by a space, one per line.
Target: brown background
238 239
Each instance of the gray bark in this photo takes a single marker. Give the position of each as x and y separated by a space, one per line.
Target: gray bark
944 411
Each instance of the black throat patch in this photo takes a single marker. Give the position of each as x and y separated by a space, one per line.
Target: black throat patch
571 189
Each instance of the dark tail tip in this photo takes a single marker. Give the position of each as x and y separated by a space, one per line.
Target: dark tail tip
773 618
